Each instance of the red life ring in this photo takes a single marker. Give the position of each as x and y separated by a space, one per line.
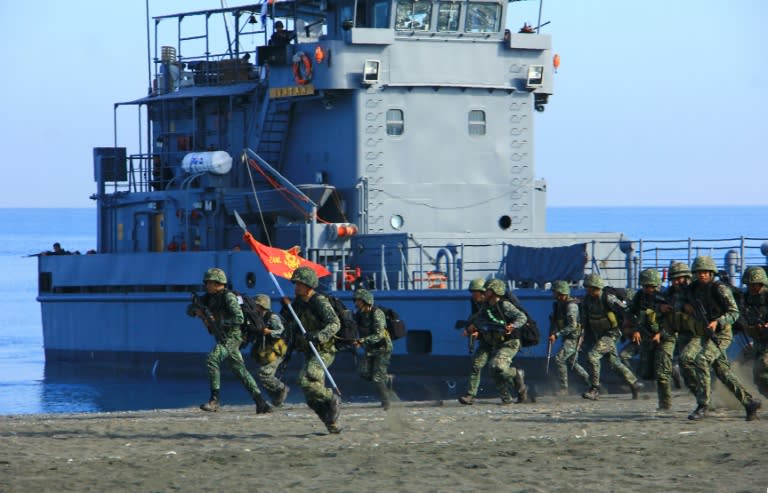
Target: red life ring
302 68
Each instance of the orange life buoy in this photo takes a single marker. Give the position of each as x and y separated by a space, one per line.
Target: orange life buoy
302 68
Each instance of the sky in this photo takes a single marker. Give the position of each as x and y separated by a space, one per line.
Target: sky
656 102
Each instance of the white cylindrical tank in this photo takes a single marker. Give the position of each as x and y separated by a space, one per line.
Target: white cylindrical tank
216 162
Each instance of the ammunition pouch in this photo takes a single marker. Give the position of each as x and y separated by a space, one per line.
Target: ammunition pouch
602 324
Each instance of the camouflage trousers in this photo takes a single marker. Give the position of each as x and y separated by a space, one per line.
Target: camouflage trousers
700 356
663 355
229 351
606 346
760 371
567 358
267 376
646 351
311 378
499 356
373 367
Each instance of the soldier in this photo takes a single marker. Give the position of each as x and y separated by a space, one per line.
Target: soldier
321 324
494 326
645 313
598 315
372 324
269 350
756 314
714 311
477 295
675 326
220 311
566 324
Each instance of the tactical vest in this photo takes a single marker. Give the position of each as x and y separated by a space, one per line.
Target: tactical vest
310 315
756 312
646 309
599 318
713 302
561 316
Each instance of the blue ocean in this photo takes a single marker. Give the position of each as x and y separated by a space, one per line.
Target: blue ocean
27 385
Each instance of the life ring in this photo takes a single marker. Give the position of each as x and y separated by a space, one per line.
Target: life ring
302 68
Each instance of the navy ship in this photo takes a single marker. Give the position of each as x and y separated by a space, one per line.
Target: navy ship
391 141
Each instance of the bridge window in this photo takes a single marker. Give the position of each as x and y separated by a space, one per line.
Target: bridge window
395 122
448 16
483 18
381 14
476 122
412 15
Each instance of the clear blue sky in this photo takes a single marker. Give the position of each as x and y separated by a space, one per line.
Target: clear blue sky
656 102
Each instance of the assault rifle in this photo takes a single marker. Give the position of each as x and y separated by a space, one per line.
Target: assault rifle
549 342
700 314
463 324
207 316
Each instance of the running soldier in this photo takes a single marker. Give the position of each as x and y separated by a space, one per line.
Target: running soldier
321 324
566 324
375 340
598 315
220 310
714 311
646 331
494 326
756 314
269 350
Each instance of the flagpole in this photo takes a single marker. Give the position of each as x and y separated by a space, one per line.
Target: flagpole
304 332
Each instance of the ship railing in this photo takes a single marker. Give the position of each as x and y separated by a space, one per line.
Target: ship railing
434 266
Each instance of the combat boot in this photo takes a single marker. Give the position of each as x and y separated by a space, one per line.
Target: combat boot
635 389
699 413
522 389
331 414
592 394
751 407
262 406
213 404
467 399
664 405
677 377
279 397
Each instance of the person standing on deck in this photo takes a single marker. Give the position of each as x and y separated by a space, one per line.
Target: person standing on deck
598 315
497 347
566 324
714 310
220 311
375 340
321 324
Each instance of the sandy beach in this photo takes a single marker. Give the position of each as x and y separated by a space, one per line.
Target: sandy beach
554 444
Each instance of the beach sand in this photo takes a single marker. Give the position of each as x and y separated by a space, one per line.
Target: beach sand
554 444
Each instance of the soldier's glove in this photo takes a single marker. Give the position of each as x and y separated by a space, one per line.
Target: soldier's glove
310 337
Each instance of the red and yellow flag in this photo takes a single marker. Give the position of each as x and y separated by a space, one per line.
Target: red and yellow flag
281 262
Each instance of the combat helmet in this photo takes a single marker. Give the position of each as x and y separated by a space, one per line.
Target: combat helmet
497 286
594 281
263 301
755 275
306 276
679 269
561 287
477 285
363 295
704 263
650 277
215 274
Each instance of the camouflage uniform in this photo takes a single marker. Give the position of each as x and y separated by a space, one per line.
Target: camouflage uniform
645 313
567 324
321 323
598 316
756 314
270 351
676 331
225 328
710 301
497 348
377 344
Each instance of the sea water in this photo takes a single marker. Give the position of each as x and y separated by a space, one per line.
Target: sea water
28 385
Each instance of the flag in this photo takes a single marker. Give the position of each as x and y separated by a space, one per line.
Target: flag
281 262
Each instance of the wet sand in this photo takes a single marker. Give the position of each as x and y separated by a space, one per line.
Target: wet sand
554 444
